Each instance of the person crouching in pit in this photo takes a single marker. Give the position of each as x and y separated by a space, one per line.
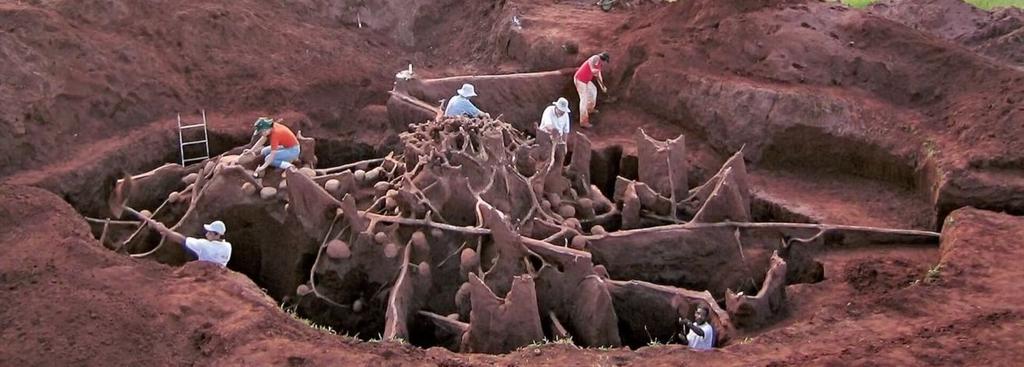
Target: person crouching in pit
284 146
460 104
213 248
699 335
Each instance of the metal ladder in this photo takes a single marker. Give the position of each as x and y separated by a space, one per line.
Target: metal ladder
182 143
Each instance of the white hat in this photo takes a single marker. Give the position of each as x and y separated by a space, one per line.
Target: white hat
216 227
562 104
467 90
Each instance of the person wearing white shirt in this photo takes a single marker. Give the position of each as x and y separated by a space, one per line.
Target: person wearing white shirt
699 335
213 248
555 119
460 105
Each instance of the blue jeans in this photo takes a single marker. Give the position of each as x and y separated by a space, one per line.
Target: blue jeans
284 156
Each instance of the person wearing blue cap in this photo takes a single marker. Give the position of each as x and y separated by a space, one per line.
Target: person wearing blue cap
460 105
555 120
213 248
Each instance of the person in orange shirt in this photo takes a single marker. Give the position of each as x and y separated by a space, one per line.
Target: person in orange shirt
284 147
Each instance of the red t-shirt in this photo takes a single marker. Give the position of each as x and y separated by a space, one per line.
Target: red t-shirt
584 74
281 136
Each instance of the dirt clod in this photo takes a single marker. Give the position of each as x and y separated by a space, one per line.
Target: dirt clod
578 243
338 249
567 211
390 250
248 188
332 186
381 188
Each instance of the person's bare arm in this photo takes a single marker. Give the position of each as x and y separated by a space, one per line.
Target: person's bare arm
167 232
256 146
600 81
682 333
691 326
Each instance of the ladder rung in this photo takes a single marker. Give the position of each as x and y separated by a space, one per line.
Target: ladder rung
193 142
192 126
197 159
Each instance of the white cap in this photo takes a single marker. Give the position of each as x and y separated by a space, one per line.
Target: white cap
467 90
216 227
562 104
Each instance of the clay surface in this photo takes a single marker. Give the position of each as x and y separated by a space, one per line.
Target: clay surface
786 162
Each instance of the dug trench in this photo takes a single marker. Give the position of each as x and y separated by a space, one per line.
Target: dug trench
404 258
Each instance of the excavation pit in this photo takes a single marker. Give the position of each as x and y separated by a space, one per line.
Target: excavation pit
893 119
479 238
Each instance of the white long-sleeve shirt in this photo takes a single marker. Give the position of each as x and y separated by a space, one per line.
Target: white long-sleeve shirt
705 342
213 251
553 123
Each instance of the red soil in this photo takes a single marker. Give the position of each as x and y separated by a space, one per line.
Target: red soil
66 300
81 72
848 116
995 34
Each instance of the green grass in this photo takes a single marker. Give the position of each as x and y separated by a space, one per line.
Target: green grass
984 4
989 4
858 3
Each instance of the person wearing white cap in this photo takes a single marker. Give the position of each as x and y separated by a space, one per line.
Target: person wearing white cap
459 105
555 119
213 248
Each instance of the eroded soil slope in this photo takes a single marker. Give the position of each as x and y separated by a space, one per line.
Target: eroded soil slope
997 34
871 97
76 72
923 110
66 300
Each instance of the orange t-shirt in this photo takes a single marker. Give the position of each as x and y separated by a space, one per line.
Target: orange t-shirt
282 137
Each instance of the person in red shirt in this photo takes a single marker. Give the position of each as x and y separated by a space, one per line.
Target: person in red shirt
284 147
584 80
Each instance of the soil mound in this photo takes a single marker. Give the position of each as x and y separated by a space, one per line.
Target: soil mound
78 72
67 301
995 33
882 275
872 98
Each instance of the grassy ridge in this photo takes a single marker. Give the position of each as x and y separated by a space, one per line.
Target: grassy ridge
984 4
